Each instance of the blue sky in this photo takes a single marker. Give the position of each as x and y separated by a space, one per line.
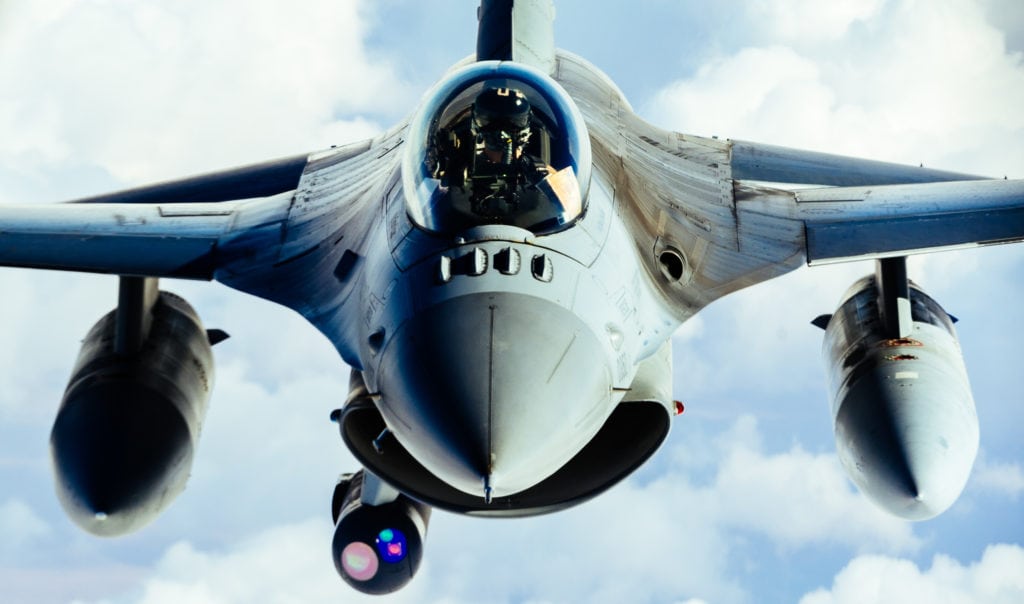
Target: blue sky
746 502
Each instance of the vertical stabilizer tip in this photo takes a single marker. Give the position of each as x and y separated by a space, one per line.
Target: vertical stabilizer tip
487 489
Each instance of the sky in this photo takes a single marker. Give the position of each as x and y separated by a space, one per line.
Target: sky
746 501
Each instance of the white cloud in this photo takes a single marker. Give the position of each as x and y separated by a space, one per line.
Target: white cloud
733 93
798 21
282 564
620 547
772 322
998 578
914 84
772 494
20 526
64 585
167 92
51 344
1006 478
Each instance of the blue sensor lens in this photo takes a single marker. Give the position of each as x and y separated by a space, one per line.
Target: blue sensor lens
392 546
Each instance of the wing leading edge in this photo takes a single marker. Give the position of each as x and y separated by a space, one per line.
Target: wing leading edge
771 163
182 228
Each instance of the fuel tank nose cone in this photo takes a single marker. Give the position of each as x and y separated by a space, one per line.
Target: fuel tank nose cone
115 459
494 392
910 460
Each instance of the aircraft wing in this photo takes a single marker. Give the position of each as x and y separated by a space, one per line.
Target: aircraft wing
878 209
153 240
855 223
758 161
173 229
714 216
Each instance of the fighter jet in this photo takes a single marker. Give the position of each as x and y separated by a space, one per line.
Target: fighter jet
502 271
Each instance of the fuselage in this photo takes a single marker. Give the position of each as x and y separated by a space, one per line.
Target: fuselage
499 352
495 339
494 347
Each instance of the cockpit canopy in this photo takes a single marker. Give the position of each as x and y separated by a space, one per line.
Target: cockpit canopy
496 143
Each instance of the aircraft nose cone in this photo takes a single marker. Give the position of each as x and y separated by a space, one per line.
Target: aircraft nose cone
503 388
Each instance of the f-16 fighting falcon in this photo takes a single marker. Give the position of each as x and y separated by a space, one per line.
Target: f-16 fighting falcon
503 271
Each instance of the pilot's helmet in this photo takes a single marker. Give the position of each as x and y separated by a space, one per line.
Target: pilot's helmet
502 113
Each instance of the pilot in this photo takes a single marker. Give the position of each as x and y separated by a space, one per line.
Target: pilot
503 173
501 125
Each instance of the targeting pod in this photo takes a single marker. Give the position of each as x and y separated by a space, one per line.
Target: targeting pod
905 423
377 548
124 437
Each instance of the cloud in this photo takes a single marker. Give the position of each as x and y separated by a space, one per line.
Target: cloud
1006 478
997 578
909 85
168 93
760 327
275 446
730 92
282 564
20 526
772 493
51 344
617 548
798 21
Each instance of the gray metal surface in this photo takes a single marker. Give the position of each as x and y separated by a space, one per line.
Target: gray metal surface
510 411
905 423
758 161
853 223
146 240
517 30
687 193
125 435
